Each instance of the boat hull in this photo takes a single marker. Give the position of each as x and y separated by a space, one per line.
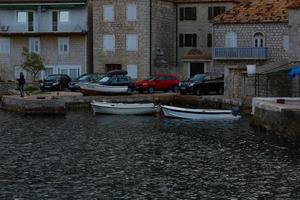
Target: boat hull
123 109
97 89
204 114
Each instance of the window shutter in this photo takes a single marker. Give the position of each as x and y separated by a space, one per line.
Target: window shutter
181 43
181 13
194 13
194 40
209 40
210 13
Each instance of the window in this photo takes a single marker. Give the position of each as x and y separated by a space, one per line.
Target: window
131 12
108 13
108 43
64 16
209 40
215 11
188 40
110 67
286 42
22 17
131 42
4 46
188 13
132 70
54 21
259 40
231 40
34 45
63 45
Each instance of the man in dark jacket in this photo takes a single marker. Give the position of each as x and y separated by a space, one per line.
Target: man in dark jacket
21 83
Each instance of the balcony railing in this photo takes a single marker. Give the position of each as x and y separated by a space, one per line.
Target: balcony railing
240 53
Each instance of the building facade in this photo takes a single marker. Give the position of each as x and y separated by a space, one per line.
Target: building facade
253 33
195 34
55 29
294 30
136 35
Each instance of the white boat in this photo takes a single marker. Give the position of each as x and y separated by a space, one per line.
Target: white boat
198 114
96 88
124 108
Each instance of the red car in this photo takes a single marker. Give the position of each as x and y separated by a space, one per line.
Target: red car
158 83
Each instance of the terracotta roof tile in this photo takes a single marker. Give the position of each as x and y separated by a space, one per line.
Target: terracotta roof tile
294 5
256 11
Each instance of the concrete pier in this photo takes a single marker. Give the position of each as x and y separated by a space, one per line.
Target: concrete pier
280 118
59 103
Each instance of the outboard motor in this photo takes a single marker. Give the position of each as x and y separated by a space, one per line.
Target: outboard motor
236 111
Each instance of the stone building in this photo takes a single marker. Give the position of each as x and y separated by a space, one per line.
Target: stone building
294 30
253 33
136 35
194 32
55 29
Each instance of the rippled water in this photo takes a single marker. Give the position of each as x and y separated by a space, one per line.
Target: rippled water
82 156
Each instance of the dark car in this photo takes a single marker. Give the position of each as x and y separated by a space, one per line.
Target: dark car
158 83
117 78
85 78
203 84
55 82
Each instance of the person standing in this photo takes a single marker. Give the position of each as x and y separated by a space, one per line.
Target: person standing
21 83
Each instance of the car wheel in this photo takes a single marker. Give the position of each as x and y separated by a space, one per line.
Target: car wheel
129 91
182 93
151 90
197 92
220 91
141 91
175 89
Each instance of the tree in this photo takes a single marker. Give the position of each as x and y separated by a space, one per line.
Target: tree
33 63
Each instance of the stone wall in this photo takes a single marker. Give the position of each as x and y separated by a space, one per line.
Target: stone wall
163 36
294 34
273 35
119 28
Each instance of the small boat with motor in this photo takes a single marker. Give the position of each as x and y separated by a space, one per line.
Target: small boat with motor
198 114
115 82
124 108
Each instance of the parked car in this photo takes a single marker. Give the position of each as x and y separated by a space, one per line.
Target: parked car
158 83
203 84
85 78
55 82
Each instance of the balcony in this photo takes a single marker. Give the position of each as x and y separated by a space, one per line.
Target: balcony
240 53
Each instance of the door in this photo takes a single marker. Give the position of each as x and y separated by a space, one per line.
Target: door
196 68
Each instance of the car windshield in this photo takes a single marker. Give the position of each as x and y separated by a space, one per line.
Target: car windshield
52 78
84 77
197 77
104 79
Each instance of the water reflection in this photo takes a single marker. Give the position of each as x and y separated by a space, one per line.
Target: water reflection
82 156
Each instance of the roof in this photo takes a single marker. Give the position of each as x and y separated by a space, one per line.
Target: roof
294 5
39 1
207 1
197 55
256 11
